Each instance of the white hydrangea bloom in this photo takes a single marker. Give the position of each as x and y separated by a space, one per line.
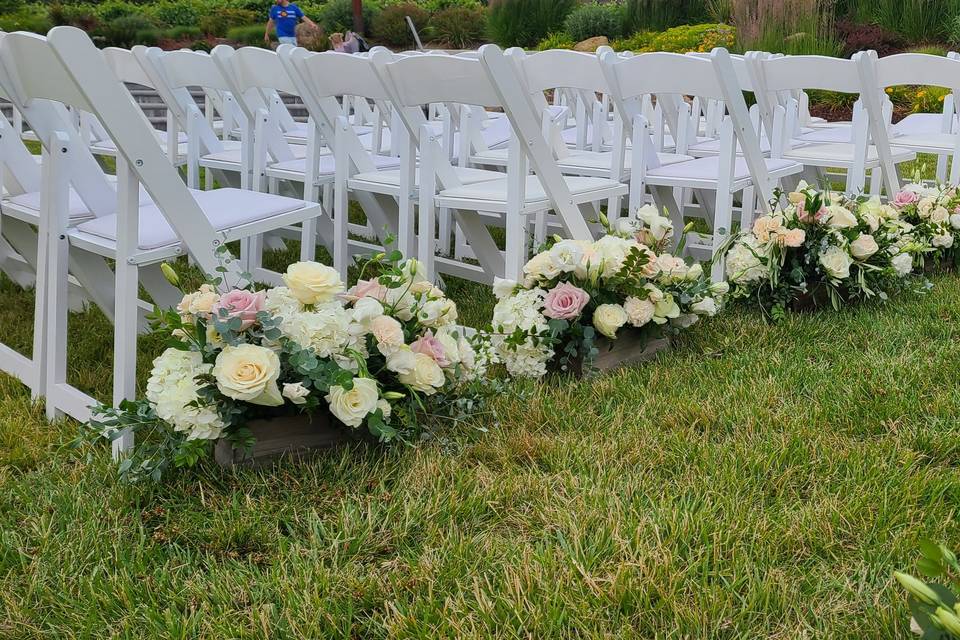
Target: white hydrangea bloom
326 329
172 386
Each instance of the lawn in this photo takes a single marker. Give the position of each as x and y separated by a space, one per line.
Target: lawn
758 481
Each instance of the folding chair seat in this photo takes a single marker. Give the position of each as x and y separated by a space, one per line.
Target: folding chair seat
703 172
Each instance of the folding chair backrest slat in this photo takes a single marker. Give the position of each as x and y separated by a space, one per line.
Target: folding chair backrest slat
918 69
787 73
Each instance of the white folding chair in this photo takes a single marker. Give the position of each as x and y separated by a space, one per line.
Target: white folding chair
491 82
670 74
869 145
878 74
66 68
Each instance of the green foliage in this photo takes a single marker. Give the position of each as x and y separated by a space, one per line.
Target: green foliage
217 24
590 20
251 35
179 13
657 15
390 25
128 31
183 33
433 6
337 15
916 20
933 604
558 40
27 18
696 37
10 6
112 9
459 27
76 15
524 23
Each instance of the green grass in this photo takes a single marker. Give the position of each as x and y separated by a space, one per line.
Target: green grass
758 481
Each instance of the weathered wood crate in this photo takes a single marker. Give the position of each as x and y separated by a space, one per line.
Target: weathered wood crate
284 437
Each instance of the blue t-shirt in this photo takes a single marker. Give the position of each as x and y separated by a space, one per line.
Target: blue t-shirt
286 19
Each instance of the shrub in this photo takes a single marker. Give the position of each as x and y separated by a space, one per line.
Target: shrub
178 13
217 24
787 26
459 27
524 23
128 31
112 9
201 45
916 20
250 35
657 15
10 6
860 37
590 20
433 6
183 33
27 18
337 15
556 41
390 25
694 37
74 15
929 100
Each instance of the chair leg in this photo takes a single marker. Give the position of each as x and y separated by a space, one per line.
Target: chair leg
445 222
516 254
721 231
748 209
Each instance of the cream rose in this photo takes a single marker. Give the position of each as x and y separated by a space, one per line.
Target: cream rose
426 376
939 215
401 360
955 221
249 373
608 318
705 307
351 407
836 262
839 217
311 282
863 247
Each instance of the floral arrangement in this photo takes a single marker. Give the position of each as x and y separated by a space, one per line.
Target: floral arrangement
575 294
934 212
371 356
821 248
934 606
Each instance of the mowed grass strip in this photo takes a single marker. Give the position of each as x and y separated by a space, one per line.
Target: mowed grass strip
759 481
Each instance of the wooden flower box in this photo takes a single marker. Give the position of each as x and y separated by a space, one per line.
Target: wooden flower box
294 436
631 347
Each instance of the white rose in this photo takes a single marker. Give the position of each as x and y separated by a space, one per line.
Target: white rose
451 347
839 217
660 228
610 252
388 332
925 207
694 272
351 407
541 267
836 262
437 313
249 373
639 311
863 247
295 392
503 288
608 318
705 307
903 263
401 360
943 241
312 282
939 215
627 226
413 270
366 309
566 255
426 375
655 294
955 221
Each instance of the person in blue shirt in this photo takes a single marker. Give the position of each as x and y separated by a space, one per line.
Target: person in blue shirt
285 16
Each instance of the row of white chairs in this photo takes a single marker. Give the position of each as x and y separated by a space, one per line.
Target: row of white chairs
436 149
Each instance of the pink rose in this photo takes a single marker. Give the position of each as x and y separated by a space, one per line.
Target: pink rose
565 302
241 304
905 198
366 289
806 218
428 345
